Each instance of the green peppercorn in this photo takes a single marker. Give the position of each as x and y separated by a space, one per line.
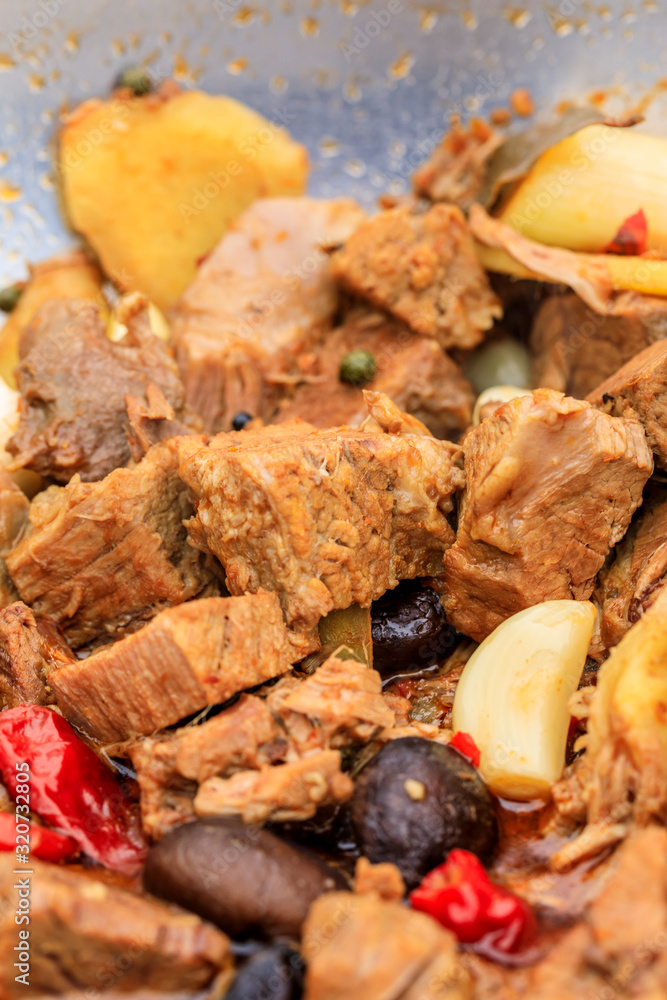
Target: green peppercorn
137 80
357 368
9 297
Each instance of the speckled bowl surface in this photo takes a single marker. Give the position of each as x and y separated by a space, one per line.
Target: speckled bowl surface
367 86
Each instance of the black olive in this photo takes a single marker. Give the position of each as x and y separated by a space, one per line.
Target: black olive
241 420
242 878
274 973
409 629
136 79
415 801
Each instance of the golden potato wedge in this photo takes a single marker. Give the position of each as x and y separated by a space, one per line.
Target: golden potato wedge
67 276
152 182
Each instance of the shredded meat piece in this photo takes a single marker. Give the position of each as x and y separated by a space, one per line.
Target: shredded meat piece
166 797
73 384
244 736
299 716
413 371
291 791
456 170
151 420
323 518
344 700
551 486
623 776
574 348
197 654
82 931
101 558
631 581
261 299
27 655
620 943
421 268
14 508
639 390
384 879
361 947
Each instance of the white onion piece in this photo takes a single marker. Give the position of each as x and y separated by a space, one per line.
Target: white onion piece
514 691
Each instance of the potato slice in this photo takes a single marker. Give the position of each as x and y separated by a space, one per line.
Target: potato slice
68 276
152 182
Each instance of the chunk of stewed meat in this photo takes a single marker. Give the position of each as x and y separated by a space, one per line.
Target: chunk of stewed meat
422 268
325 519
551 486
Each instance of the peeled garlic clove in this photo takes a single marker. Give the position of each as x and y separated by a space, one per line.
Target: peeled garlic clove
499 361
497 394
513 694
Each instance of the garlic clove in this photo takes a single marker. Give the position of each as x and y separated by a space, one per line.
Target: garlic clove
513 696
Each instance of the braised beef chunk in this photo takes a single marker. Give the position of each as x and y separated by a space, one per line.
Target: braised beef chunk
197 654
360 947
89 935
551 486
635 574
575 348
73 382
340 705
455 171
291 791
422 268
292 723
639 389
325 519
28 653
100 558
413 371
14 507
263 297
621 940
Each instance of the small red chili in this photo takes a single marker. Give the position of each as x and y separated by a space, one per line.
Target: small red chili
631 238
460 895
69 787
466 746
46 845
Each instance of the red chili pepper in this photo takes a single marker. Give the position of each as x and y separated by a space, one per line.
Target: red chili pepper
466 746
631 238
461 896
205 256
69 787
47 845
